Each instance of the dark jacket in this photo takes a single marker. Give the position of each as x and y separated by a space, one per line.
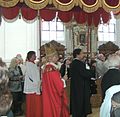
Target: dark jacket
80 89
15 80
110 78
63 70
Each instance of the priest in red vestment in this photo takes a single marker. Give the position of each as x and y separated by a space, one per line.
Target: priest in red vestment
55 103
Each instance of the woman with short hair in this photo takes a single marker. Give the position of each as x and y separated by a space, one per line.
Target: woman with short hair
15 86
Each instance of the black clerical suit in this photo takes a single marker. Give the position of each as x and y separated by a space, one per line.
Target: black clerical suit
80 89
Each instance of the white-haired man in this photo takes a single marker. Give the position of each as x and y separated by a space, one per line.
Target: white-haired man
110 84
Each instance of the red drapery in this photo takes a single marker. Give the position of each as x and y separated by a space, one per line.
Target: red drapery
10 13
65 16
79 15
47 15
28 13
83 11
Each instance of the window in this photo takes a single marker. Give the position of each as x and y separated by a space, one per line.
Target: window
17 37
52 30
106 32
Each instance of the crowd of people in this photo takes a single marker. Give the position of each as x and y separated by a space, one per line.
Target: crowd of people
42 85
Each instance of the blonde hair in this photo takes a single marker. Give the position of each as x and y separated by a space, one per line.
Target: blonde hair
13 63
50 51
49 58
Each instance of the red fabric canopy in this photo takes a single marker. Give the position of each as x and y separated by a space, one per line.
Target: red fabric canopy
65 16
82 11
47 15
79 15
10 13
28 13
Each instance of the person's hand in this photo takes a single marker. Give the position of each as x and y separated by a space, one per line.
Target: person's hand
65 77
94 64
21 78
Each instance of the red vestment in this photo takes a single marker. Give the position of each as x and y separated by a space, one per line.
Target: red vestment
55 103
33 105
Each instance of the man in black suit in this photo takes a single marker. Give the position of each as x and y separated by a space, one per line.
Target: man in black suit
80 86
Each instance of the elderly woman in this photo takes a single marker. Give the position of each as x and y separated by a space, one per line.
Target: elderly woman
15 86
110 84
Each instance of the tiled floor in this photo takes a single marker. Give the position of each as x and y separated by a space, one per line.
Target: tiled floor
94 114
95 111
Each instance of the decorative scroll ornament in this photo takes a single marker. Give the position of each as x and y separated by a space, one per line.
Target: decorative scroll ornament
90 7
8 3
109 8
64 6
37 4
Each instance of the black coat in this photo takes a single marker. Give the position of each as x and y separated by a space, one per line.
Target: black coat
110 78
80 89
63 70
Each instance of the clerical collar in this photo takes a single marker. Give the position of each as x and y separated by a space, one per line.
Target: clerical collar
113 67
76 59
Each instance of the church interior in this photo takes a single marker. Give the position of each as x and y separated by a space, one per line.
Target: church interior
91 25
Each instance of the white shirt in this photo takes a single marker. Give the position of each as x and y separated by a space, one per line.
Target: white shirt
106 105
32 79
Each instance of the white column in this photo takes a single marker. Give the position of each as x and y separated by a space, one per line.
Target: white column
94 40
69 40
117 32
